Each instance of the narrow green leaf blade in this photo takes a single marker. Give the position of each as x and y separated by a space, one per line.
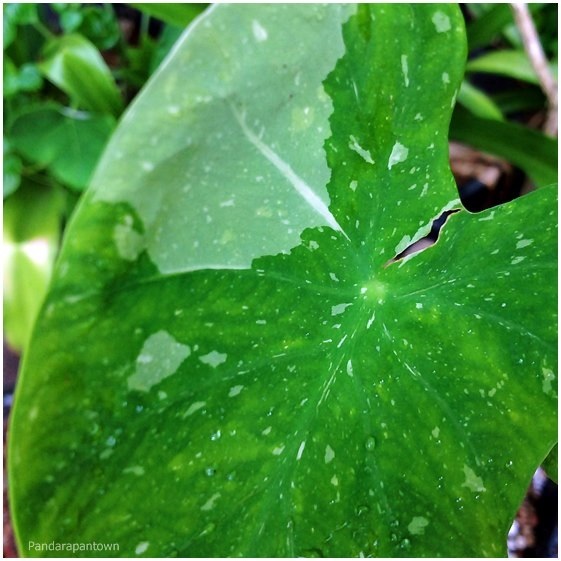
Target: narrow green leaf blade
479 103
511 63
527 149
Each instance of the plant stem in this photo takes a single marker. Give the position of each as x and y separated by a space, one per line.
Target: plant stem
535 52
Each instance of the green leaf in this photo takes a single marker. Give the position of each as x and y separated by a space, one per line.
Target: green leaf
74 65
479 103
31 237
69 143
169 37
525 148
551 464
15 14
492 20
25 79
488 25
173 14
12 167
225 335
514 64
96 23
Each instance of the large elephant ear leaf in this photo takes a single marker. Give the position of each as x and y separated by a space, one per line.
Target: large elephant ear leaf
231 361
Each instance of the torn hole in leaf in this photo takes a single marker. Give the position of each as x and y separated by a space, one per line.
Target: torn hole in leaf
427 241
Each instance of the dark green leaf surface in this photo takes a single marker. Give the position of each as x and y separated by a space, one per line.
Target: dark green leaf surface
225 365
173 14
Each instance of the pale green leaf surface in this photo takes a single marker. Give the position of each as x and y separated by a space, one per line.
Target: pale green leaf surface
224 366
31 232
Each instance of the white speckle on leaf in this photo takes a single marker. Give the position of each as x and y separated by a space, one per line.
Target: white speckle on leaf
518 259
234 391
371 320
278 450
329 454
214 358
445 78
135 470
419 305
490 216
160 357
405 69
209 505
141 548
435 432
356 147
350 368
441 22
194 407
259 32
353 185
417 525
334 481
473 482
524 243
301 450
398 155
128 241
147 166
548 377
339 309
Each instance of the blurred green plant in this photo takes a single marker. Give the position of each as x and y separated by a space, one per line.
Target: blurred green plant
69 72
501 90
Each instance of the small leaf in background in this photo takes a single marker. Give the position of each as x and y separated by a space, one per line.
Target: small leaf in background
25 79
179 15
65 141
528 149
11 169
514 64
15 14
491 20
75 65
478 102
169 37
96 23
32 218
